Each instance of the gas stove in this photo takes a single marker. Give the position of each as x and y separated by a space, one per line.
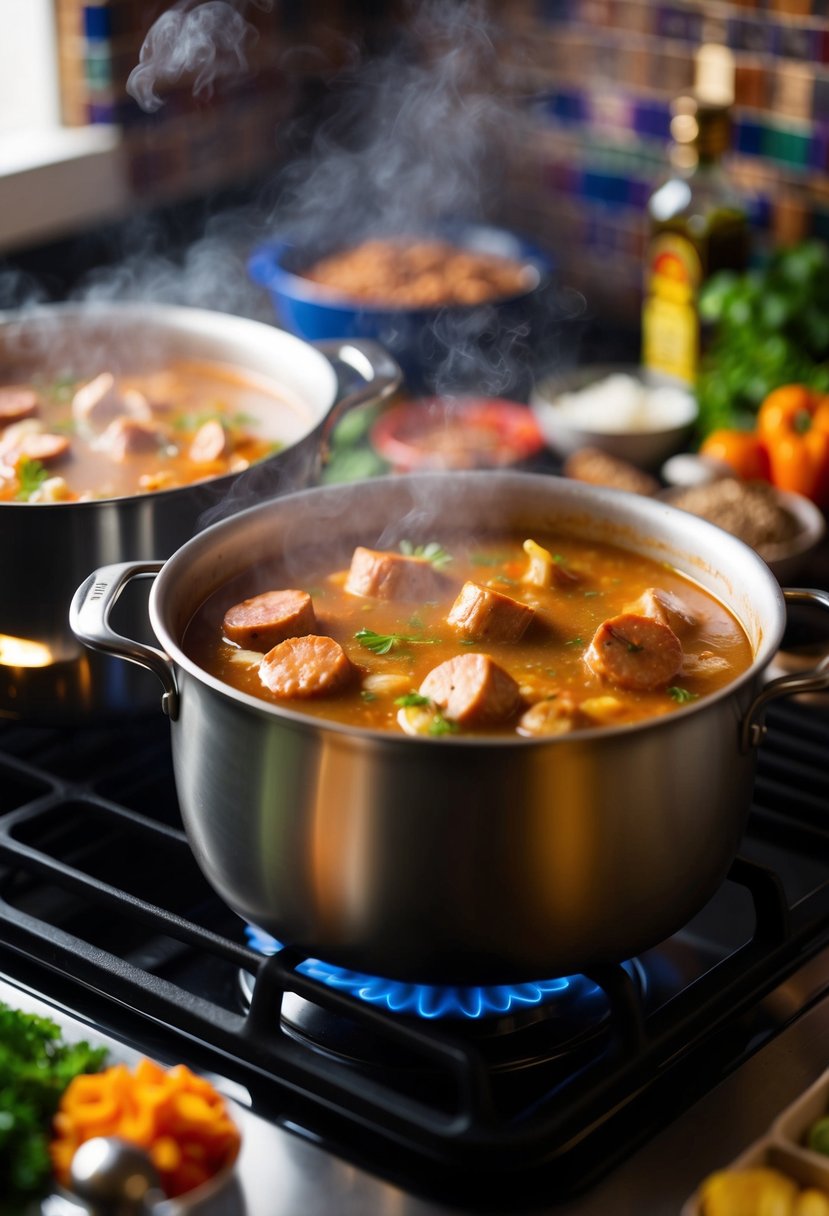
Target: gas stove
613 1092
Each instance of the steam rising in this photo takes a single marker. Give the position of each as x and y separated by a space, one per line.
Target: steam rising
198 42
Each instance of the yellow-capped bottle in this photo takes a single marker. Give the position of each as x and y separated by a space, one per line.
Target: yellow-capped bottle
698 224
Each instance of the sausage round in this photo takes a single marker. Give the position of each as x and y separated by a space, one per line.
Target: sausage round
267 619
472 689
634 652
17 404
310 666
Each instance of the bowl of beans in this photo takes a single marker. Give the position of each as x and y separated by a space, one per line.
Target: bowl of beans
455 308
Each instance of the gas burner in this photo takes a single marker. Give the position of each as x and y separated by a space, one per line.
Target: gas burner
516 1025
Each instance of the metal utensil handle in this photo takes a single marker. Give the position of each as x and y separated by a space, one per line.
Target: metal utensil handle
376 368
89 616
814 680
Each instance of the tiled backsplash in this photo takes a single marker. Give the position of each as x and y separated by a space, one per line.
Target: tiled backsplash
604 73
598 77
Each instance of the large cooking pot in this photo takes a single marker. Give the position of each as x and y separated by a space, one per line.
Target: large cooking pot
46 549
458 859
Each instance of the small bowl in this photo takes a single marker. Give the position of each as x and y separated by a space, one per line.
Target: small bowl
456 433
424 341
621 410
785 558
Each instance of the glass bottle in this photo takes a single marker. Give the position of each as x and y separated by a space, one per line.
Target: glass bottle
698 225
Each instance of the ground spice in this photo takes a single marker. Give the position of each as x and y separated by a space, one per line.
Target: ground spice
749 510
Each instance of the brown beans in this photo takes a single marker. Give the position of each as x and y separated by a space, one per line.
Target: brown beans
310 666
473 690
634 652
264 620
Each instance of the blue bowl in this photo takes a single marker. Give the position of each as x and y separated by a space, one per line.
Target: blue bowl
483 347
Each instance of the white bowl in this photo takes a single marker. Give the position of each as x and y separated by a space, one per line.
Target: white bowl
622 410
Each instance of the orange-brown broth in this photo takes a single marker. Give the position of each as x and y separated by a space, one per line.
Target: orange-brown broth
548 659
259 418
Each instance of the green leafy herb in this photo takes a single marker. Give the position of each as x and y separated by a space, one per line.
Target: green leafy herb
589 595
433 552
634 647
368 695
36 1066
30 476
579 641
768 327
442 726
505 579
411 698
487 559
682 695
383 643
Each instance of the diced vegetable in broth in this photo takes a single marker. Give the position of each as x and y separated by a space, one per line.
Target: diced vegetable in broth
605 637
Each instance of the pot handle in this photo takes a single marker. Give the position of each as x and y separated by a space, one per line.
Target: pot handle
379 374
89 616
814 680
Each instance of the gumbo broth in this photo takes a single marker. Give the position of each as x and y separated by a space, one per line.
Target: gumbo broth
114 434
535 636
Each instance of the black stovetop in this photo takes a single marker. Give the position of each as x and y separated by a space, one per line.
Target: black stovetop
104 912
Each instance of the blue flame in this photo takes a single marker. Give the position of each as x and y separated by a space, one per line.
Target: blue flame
429 1001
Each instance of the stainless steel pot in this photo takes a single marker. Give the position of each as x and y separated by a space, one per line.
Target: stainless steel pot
46 549
462 860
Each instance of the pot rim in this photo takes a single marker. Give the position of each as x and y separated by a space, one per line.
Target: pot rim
765 647
182 319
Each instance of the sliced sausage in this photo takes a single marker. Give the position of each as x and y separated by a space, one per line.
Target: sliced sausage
210 442
634 652
311 666
481 613
125 436
46 448
392 576
264 620
666 607
473 690
17 404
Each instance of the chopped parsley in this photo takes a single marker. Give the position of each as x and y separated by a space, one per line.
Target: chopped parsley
442 726
432 552
579 641
30 477
487 559
634 647
411 698
367 695
681 695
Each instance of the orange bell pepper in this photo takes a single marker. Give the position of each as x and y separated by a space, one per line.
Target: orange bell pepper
743 451
793 422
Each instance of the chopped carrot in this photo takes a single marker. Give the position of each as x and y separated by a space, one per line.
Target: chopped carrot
177 1116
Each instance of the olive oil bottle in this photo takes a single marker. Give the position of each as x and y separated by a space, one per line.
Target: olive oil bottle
697 225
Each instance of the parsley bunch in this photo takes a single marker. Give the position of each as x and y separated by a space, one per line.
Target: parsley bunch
36 1066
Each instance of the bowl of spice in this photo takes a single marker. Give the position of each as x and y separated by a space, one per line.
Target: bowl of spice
784 528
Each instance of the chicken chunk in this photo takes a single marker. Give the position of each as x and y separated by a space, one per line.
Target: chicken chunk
666 607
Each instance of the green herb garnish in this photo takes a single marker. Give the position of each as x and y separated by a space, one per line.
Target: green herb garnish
367 695
432 552
682 695
634 647
36 1066
382 643
487 559
411 698
579 641
30 476
442 726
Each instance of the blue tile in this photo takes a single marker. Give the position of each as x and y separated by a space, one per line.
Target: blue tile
747 137
97 23
652 118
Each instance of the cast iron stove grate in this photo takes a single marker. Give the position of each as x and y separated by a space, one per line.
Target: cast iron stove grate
104 912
